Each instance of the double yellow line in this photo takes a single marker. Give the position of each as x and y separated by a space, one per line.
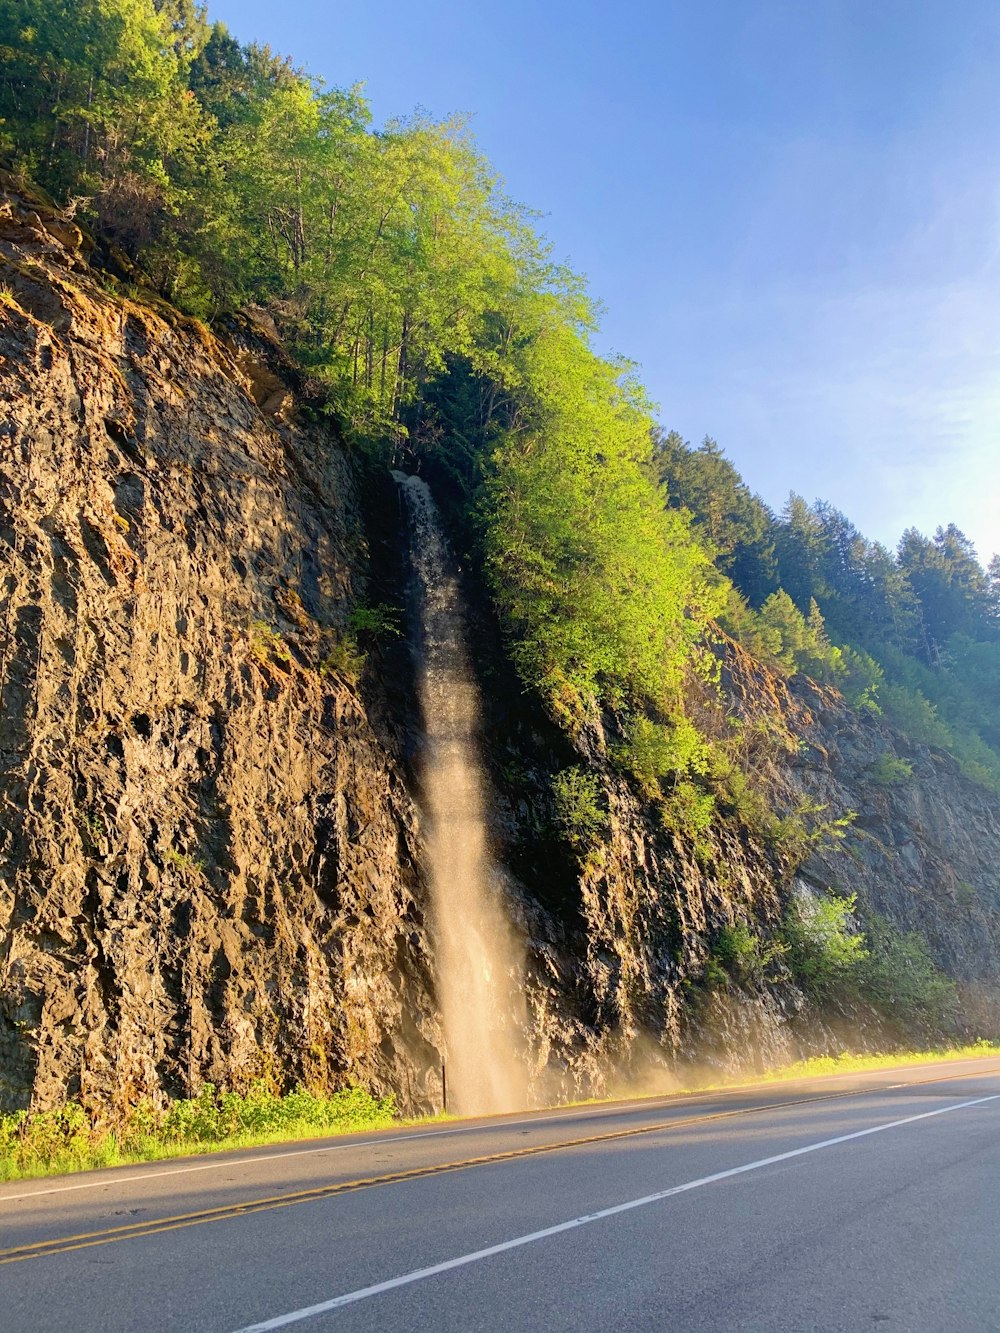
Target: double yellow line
155 1226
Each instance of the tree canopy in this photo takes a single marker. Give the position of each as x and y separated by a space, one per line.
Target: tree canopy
427 308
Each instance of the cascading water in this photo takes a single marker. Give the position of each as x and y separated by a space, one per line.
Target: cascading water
479 960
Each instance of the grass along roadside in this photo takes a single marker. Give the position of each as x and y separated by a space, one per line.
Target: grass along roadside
817 1066
848 1063
69 1139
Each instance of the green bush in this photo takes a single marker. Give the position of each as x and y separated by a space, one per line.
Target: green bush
267 644
378 622
802 830
884 967
652 751
580 815
342 657
70 1138
824 950
899 976
689 811
744 955
888 771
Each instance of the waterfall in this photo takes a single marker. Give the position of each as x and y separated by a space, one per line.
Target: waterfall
479 961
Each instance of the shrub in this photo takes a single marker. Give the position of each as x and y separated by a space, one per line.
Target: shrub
379 622
343 658
888 771
689 811
887 968
744 955
651 751
899 976
266 643
71 1138
801 831
824 950
579 813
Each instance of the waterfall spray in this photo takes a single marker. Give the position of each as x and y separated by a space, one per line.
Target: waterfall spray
478 959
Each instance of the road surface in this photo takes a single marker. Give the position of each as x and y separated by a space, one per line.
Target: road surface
859 1202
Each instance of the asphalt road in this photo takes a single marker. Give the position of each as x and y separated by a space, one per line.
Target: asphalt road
864 1202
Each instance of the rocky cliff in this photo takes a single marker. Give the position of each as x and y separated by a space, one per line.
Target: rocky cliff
210 854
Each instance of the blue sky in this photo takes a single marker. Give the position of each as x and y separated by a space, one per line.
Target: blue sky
789 208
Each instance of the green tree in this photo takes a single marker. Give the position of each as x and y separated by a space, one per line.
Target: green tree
604 591
737 524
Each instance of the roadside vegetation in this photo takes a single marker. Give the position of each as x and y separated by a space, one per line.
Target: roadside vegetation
849 1062
432 326
839 960
70 1138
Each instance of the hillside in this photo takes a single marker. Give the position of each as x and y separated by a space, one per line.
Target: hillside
213 865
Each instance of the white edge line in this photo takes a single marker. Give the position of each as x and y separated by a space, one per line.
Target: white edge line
582 1113
416 1137
419 1274
234 1162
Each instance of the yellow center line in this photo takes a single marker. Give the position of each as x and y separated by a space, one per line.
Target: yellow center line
155 1226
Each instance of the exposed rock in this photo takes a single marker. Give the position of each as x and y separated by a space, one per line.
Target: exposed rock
207 855
210 863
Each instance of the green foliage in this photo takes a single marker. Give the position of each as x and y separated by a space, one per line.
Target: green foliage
888 771
743 793
605 592
409 286
830 957
432 316
901 979
915 633
379 622
915 716
71 1139
688 810
212 1117
653 751
744 955
824 950
736 524
183 861
579 810
267 644
802 830
342 657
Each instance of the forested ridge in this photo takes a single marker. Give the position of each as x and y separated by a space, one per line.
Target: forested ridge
914 633
433 327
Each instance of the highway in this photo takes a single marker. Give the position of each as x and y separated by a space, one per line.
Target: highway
856 1202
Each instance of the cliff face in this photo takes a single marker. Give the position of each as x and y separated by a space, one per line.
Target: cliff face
920 850
206 854
210 863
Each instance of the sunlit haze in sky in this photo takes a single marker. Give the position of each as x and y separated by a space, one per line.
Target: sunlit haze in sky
789 210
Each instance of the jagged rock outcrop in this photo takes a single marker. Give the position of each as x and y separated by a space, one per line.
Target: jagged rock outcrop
207 857
210 859
918 845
